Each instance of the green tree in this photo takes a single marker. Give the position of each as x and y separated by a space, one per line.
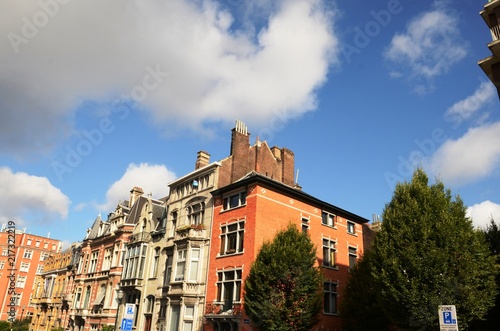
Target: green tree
360 308
492 319
427 254
283 289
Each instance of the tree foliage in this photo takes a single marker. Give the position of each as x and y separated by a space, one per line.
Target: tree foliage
426 254
492 319
283 289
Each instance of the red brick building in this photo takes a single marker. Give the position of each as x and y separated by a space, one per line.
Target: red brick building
22 258
259 199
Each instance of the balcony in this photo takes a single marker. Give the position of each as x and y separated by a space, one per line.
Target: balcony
190 232
140 237
223 310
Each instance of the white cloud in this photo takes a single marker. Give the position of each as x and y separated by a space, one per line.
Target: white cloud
466 108
30 198
472 157
151 178
207 69
482 213
429 47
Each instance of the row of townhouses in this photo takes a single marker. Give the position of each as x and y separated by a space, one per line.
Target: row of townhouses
181 261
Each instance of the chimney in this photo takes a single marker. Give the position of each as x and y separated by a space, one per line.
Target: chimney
288 166
240 138
135 194
202 160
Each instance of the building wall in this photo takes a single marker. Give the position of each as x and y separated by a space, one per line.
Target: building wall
266 212
27 255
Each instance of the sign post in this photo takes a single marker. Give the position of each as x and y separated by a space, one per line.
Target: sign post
447 318
128 316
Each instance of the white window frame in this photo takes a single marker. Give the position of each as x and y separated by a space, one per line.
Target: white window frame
234 200
232 238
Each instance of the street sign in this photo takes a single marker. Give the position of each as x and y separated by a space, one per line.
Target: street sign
129 311
447 318
126 324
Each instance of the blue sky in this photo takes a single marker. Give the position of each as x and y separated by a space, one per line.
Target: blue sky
99 96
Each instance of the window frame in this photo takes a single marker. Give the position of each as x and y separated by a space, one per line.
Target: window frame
332 299
234 200
325 219
329 253
230 238
351 227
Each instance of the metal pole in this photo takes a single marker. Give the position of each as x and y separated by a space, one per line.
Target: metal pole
119 297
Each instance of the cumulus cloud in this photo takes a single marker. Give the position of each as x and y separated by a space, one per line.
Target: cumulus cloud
472 157
184 63
483 212
466 108
429 47
30 198
151 178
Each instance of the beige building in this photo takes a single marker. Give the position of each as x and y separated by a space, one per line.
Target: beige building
491 64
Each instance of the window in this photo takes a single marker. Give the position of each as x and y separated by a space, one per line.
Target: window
353 254
232 238
16 298
53 247
87 297
156 260
78 297
168 270
194 264
150 300
44 256
351 227
45 245
229 288
235 200
175 311
5 252
195 213
327 219
135 258
106 263
330 298
21 281
25 267
174 223
39 269
2 264
28 254
37 243
181 265
94 327
101 296
329 253
28 242
305 225
188 318
116 252
93 261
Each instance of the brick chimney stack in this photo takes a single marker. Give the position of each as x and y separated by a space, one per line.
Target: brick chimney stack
240 139
202 160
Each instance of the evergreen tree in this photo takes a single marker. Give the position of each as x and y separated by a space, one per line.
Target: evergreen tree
428 254
283 289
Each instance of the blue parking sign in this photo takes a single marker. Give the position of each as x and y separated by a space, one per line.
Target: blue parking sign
447 318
